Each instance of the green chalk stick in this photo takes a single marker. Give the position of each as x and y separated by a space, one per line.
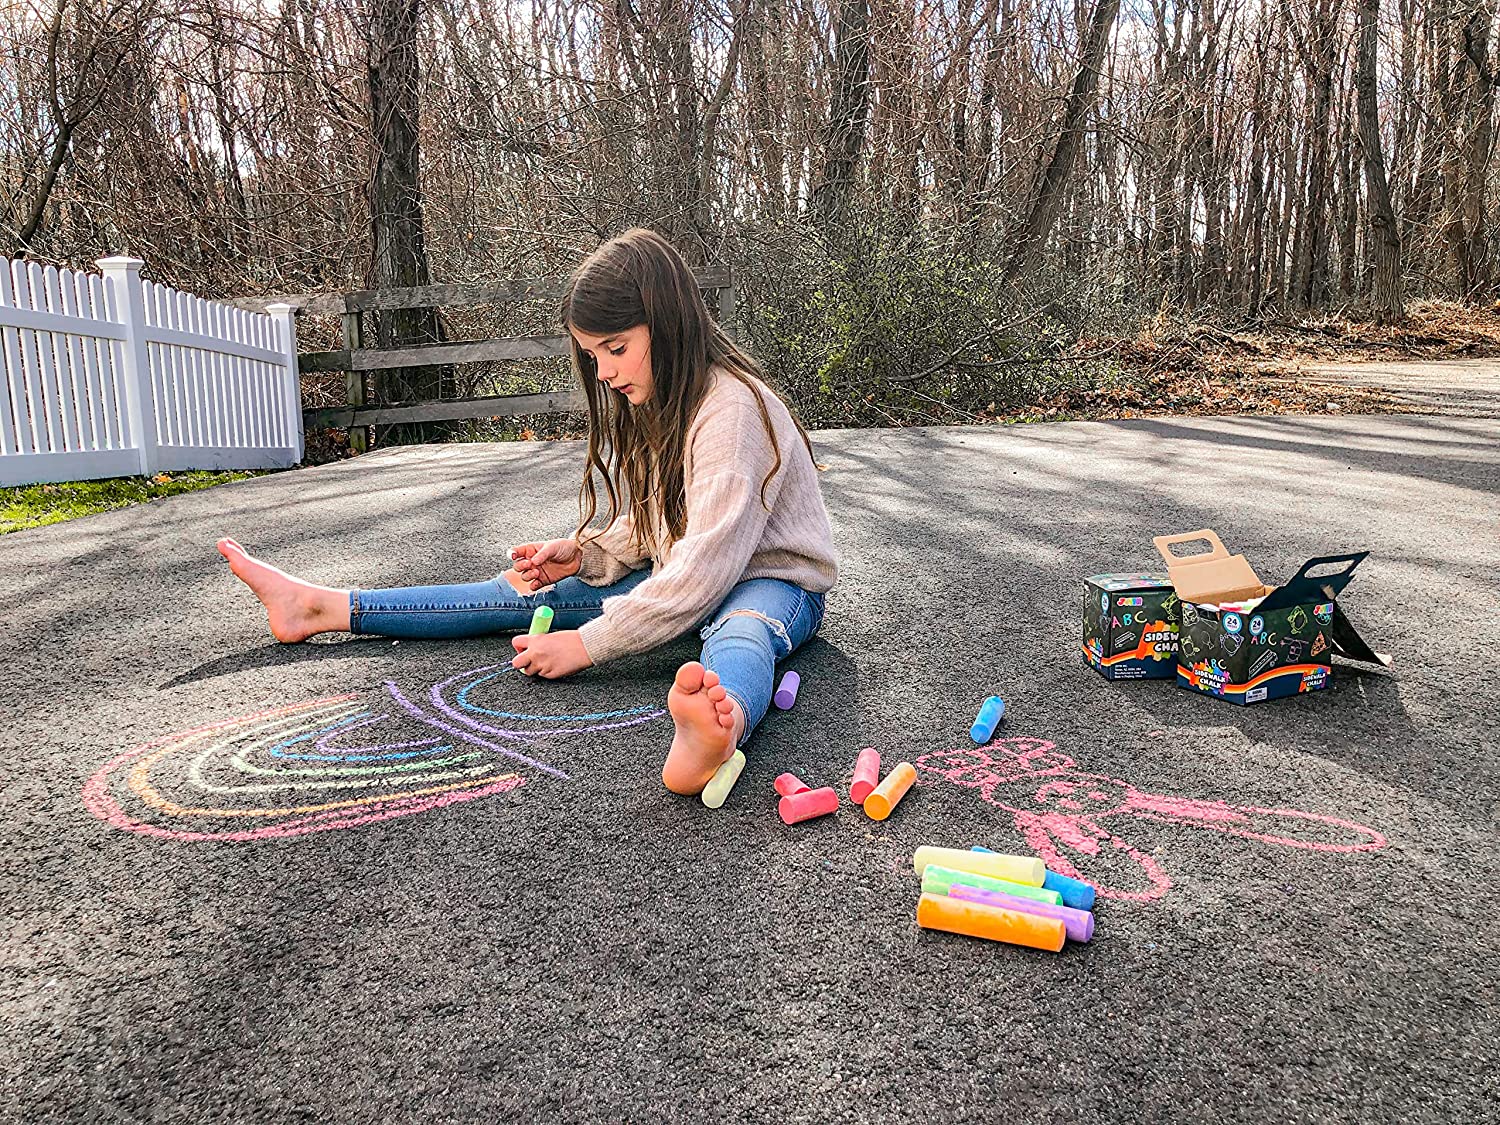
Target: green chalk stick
936 881
541 620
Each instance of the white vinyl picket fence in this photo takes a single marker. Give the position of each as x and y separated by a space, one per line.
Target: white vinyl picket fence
112 375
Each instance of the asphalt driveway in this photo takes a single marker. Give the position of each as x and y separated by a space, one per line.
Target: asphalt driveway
366 881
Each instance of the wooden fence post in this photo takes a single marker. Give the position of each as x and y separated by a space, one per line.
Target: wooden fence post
286 339
727 309
128 303
354 381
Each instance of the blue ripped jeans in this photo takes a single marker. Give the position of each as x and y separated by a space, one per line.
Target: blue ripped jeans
763 620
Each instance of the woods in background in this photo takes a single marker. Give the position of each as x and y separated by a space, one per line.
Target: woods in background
909 190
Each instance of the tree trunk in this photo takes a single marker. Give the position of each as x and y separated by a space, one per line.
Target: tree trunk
1385 235
1025 243
398 254
848 113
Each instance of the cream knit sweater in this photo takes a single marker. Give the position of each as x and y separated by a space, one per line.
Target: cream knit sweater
730 536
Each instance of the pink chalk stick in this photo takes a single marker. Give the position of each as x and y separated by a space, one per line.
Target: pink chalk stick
789 784
1078 923
804 806
866 775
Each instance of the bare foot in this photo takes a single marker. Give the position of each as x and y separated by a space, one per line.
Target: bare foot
296 609
708 722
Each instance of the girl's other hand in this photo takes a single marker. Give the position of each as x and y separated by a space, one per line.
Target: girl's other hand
551 655
542 564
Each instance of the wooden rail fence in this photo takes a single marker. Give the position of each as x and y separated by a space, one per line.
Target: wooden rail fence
357 359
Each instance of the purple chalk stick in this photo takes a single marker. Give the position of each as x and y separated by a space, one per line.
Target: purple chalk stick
1078 923
786 694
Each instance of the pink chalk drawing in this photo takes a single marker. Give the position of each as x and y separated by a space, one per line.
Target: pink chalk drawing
1061 811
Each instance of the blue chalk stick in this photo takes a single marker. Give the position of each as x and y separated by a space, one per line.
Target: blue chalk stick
1075 893
989 718
1078 895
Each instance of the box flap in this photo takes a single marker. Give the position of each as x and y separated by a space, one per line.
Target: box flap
1349 644
1304 589
1210 578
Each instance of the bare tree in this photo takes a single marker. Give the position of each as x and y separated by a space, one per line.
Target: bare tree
1385 234
1046 196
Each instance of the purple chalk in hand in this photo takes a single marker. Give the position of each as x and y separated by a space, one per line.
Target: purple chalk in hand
786 694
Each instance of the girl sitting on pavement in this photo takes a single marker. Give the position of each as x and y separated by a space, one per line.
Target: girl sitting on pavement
714 518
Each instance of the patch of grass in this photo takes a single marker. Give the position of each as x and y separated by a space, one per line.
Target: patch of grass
36 505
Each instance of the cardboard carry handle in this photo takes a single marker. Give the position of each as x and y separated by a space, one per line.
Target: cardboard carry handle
1303 588
1338 580
1163 542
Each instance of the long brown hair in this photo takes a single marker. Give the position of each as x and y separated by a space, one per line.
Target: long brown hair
641 452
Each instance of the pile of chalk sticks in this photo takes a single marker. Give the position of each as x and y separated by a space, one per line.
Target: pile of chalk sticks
1010 898
800 801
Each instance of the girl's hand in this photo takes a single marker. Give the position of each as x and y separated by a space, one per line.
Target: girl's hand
542 564
551 655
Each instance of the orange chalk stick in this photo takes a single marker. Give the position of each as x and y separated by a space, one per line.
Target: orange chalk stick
884 797
866 775
789 783
973 919
807 804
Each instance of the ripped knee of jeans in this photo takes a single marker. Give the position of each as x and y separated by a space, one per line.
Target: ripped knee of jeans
777 628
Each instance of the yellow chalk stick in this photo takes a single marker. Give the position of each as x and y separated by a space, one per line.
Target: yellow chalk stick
883 798
716 792
1024 869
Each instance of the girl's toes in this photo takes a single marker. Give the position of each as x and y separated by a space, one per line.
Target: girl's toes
717 692
710 679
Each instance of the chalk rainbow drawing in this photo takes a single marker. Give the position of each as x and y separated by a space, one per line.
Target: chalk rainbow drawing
253 771
1057 806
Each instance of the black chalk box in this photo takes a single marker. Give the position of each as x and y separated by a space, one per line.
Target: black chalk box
1245 642
1130 626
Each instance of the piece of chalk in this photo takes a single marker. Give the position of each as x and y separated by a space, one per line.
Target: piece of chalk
716 792
541 619
1075 892
866 775
789 783
786 694
1078 923
1024 869
989 718
885 796
807 804
937 876
976 919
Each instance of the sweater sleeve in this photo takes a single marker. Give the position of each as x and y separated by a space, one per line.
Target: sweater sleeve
611 554
729 456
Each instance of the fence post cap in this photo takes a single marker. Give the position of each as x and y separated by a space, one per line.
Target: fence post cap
120 262
281 307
